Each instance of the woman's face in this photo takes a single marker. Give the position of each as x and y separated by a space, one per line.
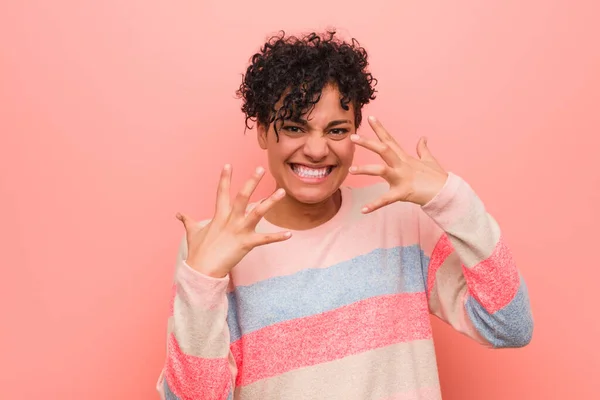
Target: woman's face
313 154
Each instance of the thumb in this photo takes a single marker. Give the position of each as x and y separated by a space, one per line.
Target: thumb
187 221
422 149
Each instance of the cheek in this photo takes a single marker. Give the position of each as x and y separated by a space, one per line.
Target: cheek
278 153
284 148
345 151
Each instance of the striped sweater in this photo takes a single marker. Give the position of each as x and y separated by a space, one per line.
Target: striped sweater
342 311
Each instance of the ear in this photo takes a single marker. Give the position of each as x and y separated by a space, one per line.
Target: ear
261 135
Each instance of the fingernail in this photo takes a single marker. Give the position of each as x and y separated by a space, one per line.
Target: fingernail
372 118
365 209
354 137
287 234
260 170
226 166
279 192
353 169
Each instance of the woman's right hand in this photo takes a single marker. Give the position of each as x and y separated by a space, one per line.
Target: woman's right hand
219 246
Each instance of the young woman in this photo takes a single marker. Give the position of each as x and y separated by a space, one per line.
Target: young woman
322 291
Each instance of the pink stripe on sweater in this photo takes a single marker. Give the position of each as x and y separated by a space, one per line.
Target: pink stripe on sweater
494 281
193 378
442 250
364 325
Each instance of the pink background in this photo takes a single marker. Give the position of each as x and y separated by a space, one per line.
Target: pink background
114 115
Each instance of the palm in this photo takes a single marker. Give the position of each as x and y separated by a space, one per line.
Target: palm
220 245
411 179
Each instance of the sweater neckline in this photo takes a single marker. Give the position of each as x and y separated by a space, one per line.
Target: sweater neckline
336 220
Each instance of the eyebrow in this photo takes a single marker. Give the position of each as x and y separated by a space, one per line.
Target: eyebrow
331 124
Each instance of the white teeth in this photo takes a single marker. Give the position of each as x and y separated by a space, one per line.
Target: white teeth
306 172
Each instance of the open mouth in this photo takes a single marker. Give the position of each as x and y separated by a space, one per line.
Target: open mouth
306 172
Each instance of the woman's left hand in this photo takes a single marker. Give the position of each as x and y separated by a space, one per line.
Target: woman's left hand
416 180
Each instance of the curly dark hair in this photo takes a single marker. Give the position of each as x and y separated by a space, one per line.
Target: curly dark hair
300 67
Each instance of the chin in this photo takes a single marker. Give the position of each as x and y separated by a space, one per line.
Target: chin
311 195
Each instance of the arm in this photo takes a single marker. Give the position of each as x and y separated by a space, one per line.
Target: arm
199 363
472 279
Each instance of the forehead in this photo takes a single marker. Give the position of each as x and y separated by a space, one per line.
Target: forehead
327 108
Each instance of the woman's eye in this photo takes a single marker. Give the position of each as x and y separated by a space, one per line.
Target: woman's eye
293 129
340 131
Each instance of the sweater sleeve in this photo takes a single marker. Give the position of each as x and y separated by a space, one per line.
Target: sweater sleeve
199 363
472 280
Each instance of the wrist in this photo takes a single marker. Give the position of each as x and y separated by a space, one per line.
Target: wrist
202 268
433 190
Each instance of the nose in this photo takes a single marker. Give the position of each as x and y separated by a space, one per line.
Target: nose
316 147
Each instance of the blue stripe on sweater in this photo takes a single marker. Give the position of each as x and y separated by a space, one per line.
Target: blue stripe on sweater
314 291
169 395
512 326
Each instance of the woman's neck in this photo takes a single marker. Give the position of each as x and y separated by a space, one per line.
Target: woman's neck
288 213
